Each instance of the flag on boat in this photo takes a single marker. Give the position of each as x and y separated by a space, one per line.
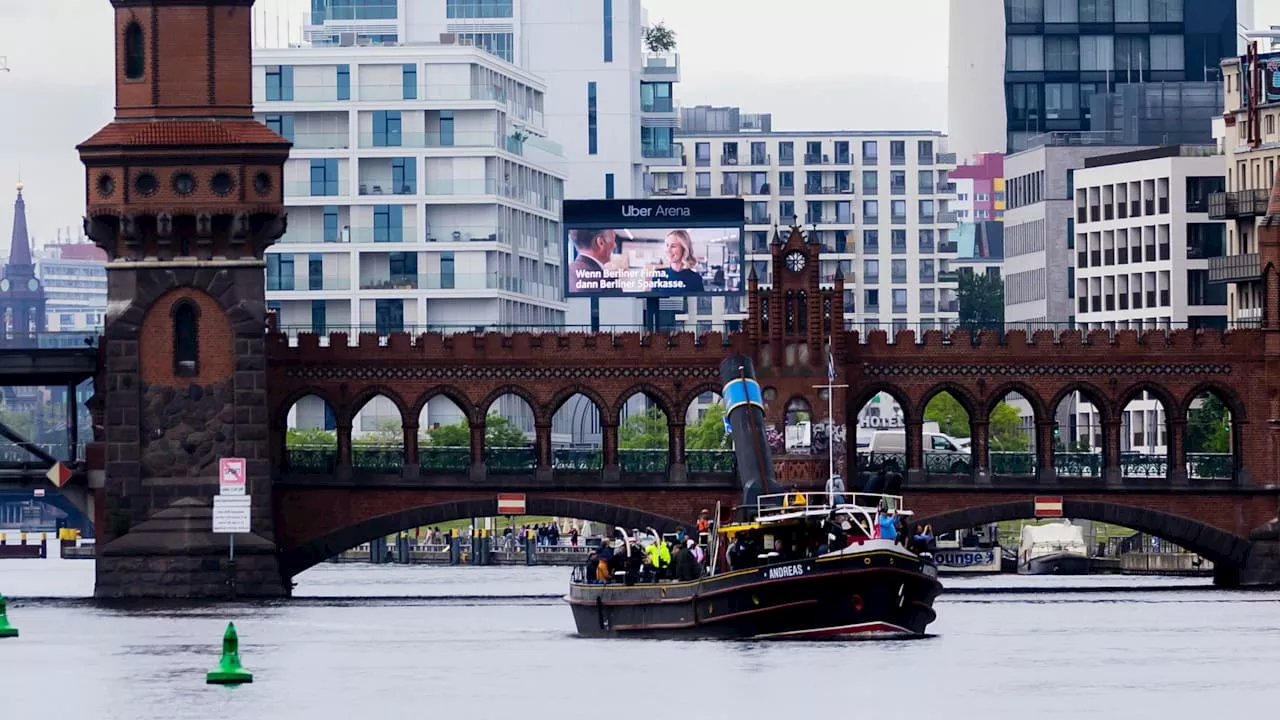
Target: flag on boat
728 429
831 365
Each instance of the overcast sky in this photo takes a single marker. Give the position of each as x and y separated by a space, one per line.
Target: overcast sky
815 64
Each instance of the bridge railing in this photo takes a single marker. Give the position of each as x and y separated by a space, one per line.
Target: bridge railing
50 339
1199 466
323 459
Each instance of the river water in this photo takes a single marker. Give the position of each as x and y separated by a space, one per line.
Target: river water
382 642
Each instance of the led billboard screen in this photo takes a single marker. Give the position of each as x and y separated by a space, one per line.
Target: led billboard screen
653 248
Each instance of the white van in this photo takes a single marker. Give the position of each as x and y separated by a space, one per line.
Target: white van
941 453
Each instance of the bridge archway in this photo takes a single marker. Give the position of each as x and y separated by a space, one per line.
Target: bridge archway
1221 547
308 555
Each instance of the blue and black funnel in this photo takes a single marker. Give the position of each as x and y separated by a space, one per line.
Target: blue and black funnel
744 410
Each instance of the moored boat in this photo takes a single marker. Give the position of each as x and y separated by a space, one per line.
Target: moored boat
783 566
1053 549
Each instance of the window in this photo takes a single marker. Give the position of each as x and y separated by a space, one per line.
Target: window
608 186
315 271
608 31
1061 101
1169 11
344 82
466 9
1131 11
899 300
1166 52
497 44
404 176
871 270
388 316
1096 11
186 339
1097 52
1061 11
318 317
386 128
786 153
870 182
871 300
870 241
388 223
446 270
280 271
871 211
279 82
593 143
1133 53
282 125
134 53
324 177
898 268
1025 53
1062 53
870 152
1024 11
656 97
410 80
331 223
446 128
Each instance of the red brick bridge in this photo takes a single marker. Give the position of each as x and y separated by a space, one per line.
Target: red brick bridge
1206 502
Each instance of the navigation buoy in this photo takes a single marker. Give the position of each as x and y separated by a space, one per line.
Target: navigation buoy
229 670
6 630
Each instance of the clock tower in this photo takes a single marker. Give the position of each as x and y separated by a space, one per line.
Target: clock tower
184 195
22 299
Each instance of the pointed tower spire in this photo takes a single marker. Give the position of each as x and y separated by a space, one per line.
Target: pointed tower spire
20 248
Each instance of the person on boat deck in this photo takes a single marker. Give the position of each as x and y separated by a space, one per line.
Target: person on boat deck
704 524
795 497
699 554
684 564
603 557
921 540
888 523
835 490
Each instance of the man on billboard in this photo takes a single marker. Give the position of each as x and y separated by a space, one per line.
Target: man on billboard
594 250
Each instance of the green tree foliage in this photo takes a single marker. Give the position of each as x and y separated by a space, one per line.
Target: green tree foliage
659 38
313 437
1208 427
498 432
33 424
645 431
981 300
1005 429
950 415
387 434
708 433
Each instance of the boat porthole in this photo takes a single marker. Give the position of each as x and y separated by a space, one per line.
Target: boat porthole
866 561
857 603
755 599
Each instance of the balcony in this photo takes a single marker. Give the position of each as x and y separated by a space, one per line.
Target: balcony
659 152
948 158
457 138
1235 205
727 159
948 276
759 219
757 159
664 65
897 159
386 187
461 234
728 190
949 306
948 246
815 159
389 281
945 187
321 141
1235 268
946 217
658 105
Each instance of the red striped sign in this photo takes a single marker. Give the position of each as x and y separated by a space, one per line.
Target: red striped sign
511 504
1049 506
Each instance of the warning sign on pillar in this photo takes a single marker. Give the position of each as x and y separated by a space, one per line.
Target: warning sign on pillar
232 475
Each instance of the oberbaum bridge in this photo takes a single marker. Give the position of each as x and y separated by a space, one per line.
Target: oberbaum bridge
184 194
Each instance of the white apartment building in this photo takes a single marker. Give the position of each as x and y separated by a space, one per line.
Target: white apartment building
1143 244
607 102
422 195
878 200
74 278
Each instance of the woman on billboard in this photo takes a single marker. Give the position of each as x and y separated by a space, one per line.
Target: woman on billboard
681 262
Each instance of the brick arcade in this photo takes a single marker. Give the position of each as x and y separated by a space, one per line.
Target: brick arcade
184 194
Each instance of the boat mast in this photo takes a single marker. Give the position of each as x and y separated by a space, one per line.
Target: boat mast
830 387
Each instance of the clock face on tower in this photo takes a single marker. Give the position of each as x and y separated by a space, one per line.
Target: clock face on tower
33 284
795 261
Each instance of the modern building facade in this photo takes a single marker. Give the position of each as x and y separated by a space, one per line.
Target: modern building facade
74 276
422 194
608 101
1060 53
1143 244
878 201
1038 234
980 189
975 77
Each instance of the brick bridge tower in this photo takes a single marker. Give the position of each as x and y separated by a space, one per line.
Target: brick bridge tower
184 195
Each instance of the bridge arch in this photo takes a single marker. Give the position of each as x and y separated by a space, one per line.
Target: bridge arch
366 395
455 396
309 554
962 396
1026 392
1221 547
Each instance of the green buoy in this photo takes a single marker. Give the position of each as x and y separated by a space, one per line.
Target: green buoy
6 630
229 670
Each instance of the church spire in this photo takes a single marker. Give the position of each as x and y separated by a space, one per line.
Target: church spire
20 248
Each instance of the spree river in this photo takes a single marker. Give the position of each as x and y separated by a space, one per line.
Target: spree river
364 642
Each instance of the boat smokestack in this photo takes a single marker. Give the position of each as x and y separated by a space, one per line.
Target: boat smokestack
744 411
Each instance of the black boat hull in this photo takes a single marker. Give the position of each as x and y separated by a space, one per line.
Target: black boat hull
1058 564
874 590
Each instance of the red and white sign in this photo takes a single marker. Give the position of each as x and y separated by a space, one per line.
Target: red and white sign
59 474
232 476
39 492
511 504
1050 506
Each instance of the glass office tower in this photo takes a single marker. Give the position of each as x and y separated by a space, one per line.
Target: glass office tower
1059 53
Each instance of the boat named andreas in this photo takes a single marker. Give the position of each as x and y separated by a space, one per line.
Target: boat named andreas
786 566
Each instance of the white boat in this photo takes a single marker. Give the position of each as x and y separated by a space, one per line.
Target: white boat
1053 549
968 552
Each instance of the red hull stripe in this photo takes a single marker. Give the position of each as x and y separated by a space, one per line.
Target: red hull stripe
879 628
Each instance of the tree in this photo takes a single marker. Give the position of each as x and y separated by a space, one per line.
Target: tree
1208 427
312 437
708 433
387 434
950 415
658 38
981 299
645 431
1005 428
498 432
